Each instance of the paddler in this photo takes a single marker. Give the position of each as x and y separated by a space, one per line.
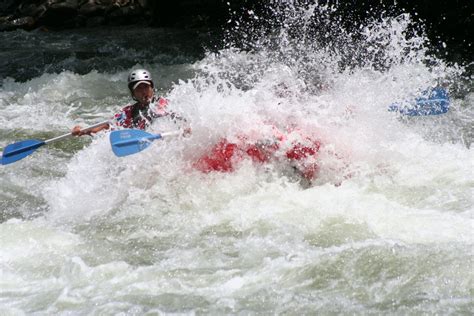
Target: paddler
143 112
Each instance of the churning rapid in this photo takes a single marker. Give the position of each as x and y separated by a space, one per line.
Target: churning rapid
386 227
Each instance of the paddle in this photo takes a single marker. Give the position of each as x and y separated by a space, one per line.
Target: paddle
431 102
21 149
131 141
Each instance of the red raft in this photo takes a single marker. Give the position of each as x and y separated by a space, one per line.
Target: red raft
293 148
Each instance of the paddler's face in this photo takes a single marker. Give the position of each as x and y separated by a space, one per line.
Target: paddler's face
143 93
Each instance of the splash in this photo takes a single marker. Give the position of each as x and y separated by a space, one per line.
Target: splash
302 68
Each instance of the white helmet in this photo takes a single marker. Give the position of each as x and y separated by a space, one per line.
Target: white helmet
138 76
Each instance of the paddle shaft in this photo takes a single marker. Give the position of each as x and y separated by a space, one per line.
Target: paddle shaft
171 133
55 139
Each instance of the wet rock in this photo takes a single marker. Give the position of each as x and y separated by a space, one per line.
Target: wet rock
106 2
8 6
9 23
92 9
72 13
127 15
126 11
143 3
60 14
32 10
122 2
68 5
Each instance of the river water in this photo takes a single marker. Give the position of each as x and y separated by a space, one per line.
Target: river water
387 227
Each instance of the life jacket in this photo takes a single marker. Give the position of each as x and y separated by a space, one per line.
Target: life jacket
138 116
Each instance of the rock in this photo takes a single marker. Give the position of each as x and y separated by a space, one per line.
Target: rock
60 14
9 23
5 24
31 10
8 6
91 9
143 3
127 15
122 3
24 22
106 2
68 5
128 11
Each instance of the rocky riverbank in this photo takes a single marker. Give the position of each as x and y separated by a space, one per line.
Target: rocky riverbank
450 23
74 13
61 14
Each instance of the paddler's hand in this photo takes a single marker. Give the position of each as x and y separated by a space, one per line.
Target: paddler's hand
77 131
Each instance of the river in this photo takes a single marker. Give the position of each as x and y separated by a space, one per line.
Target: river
387 227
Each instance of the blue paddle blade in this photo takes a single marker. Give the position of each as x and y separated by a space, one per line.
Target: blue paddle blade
130 141
20 150
431 102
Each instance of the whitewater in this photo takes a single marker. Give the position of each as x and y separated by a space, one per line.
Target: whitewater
386 227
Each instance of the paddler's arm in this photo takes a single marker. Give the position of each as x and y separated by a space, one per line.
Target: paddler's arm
78 131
